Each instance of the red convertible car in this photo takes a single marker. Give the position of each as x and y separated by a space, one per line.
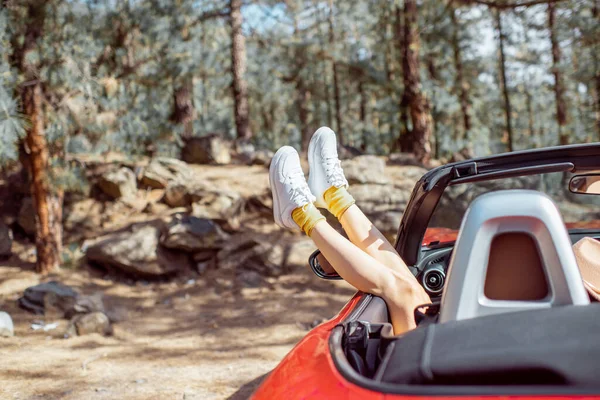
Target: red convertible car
490 239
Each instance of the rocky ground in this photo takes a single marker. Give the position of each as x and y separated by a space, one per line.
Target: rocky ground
176 283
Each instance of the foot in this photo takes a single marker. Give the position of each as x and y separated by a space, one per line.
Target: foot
288 185
325 167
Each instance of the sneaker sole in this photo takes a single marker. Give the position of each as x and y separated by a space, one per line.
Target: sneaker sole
272 171
315 137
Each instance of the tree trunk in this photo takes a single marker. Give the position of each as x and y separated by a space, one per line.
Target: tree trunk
34 152
238 70
304 112
417 139
48 207
530 116
596 14
336 84
504 88
462 86
183 107
561 108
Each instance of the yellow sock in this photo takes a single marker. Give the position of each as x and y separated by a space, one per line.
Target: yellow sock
307 217
338 200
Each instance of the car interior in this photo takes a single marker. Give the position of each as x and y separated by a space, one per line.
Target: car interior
510 312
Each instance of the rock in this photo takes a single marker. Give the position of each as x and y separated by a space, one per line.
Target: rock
380 198
267 255
249 279
182 194
244 151
192 234
348 152
210 149
403 159
262 157
49 297
365 169
88 304
6 239
119 183
95 322
261 203
7 328
162 170
136 252
26 219
223 206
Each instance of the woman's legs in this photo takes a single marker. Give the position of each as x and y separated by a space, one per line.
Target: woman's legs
293 208
368 238
328 183
371 276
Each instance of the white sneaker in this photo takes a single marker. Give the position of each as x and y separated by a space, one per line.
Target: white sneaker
325 167
288 185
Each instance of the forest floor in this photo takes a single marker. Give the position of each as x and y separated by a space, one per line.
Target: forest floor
192 339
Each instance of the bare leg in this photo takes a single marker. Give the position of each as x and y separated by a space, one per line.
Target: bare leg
367 274
368 238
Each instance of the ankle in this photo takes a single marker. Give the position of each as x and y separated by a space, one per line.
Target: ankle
338 200
307 217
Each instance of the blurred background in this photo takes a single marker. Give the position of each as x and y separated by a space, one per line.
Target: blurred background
135 136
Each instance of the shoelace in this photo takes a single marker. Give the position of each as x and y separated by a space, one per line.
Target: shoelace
300 192
334 172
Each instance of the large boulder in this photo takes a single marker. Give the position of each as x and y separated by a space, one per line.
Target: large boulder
184 193
26 218
6 239
223 206
380 198
210 149
365 169
404 159
7 328
136 252
192 235
162 170
269 255
119 183
49 296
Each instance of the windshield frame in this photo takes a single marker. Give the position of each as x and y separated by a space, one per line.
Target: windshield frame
429 189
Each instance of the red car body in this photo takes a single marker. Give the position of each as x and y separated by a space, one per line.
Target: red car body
308 372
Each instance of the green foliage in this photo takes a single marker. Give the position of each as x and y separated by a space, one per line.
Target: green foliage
110 70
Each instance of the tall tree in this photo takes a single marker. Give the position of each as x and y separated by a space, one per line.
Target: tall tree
238 71
417 139
461 84
559 89
336 79
47 205
503 84
596 59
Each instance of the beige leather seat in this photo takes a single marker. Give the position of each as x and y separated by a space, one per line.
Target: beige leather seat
587 254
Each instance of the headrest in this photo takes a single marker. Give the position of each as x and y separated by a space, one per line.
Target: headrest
520 239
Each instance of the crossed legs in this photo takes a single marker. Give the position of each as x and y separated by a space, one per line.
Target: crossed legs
366 260
369 263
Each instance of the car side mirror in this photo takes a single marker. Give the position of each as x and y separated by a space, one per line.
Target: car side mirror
585 184
321 267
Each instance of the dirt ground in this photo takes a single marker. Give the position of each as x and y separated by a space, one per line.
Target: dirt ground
186 339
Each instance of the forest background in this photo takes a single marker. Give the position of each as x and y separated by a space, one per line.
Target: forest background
432 78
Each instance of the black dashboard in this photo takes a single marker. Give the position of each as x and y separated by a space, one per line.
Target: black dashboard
432 267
